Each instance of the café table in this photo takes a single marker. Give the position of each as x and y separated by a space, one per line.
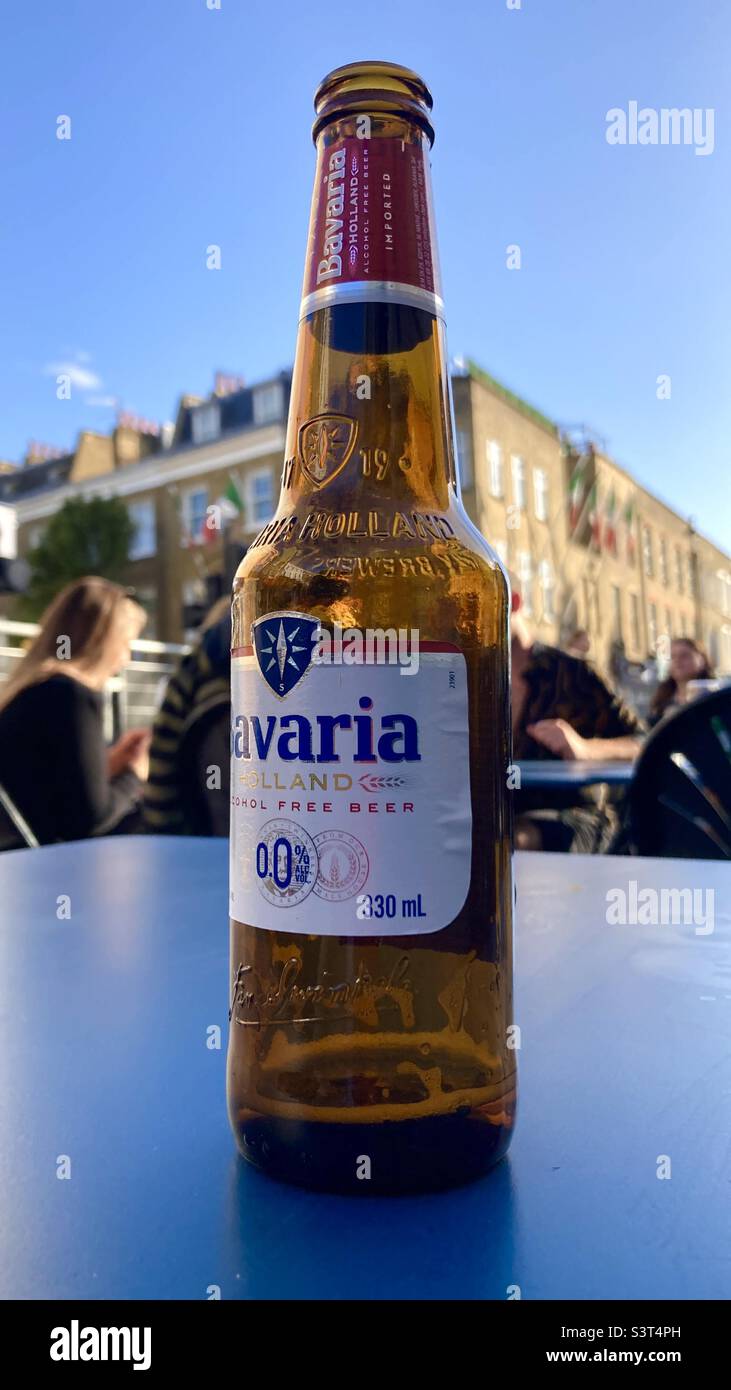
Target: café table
118 1174
559 772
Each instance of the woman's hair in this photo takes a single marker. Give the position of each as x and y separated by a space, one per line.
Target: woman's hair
74 632
667 689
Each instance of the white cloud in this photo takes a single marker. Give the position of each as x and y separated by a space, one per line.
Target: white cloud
81 377
105 401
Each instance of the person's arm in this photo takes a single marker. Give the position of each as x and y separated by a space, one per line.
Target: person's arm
132 750
624 749
597 725
87 801
562 739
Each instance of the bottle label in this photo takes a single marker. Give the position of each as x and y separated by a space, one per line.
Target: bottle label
371 230
350 787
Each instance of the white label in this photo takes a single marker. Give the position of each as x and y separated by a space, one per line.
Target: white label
350 790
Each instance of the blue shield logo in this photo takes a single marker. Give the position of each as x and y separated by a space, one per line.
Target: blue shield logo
283 643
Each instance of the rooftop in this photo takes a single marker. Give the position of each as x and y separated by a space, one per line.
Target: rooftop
511 398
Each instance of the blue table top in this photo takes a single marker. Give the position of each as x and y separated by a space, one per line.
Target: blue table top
103 1044
573 772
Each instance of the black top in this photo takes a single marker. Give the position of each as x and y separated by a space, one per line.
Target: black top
53 762
561 686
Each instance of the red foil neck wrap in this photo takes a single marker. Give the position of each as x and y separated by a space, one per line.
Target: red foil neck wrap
372 226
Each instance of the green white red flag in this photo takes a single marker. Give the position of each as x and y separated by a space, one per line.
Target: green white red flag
628 518
576 493
229 505
595 521
610 529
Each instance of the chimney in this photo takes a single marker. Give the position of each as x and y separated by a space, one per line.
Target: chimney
134 438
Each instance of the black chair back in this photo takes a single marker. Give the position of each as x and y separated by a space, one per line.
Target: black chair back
15 831
680 799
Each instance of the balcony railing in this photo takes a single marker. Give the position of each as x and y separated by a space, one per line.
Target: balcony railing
132 698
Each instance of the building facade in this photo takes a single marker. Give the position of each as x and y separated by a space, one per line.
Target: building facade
229 445
587 545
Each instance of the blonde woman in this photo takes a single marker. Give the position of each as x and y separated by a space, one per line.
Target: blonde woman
54 763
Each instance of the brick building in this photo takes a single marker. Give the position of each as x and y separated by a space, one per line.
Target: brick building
590 546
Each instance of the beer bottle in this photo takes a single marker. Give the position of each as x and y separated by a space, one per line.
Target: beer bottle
370 1045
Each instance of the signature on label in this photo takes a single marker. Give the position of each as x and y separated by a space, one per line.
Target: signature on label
260 1003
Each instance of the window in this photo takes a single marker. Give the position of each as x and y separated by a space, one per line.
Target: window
634 620
268 404
663 561
597 607
724 592
464 458
144 539
495 462
683 626
647 560
668 623
194 517
586 590
616 611
679 570
518 470
547 588
205 423
540 493
652 625
261 497
591 606
713 645
525 581
630 530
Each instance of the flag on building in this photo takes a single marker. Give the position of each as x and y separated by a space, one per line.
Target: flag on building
610 529
595 521
229 505
576 493
628 518
232 497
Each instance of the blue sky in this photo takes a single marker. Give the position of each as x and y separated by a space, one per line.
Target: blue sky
191 126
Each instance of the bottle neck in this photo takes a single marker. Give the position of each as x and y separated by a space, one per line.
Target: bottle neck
370 416
372 236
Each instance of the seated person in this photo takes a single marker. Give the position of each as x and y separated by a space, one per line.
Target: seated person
188 787
688 662
54 763
563 709
579 644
